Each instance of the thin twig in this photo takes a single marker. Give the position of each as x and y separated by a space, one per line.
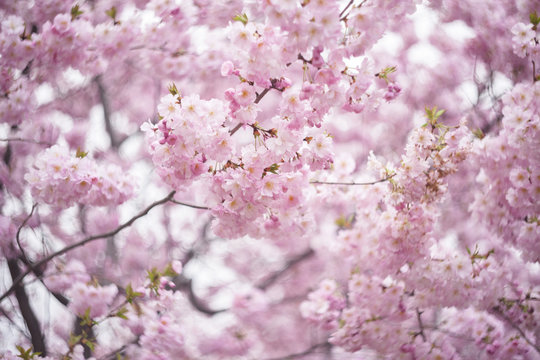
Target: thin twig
85 241
352 183
261 95
305 352
28 140
420 325
30 319
257 100
290 263
187 285
189 205
509 321
17 236
39 274
106 112
345 9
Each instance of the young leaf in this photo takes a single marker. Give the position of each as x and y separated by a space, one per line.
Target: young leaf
75 12
242 18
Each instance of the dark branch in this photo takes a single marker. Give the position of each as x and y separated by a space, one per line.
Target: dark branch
32 323
17 237
420 325
498 312
312 349
85 241
187 286
39 274
86 332
257 100
115 143
352 183
28 140
290 263
345 9
261 95
190 205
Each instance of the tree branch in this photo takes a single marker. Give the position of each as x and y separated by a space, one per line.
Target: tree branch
28 140
17 236
187 285
420 325
39 274
345 9
189 205
289 264
257 100
352 183
32 323
115 143
498 312
85 241
312 349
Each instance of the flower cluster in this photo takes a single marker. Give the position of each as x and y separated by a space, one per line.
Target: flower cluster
62 179
525 40
94 297
510 176
373 316
190 137
324 305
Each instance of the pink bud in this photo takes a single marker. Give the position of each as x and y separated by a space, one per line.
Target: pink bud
176 266
227 68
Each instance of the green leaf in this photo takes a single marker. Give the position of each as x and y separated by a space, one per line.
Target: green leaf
26 354
74 340
154 276
272 168
535 19
383 74
169 271
81 154
479 133
122 313
433 114
242 18
131 295
86 320
75 12
111 13
88 343
174 90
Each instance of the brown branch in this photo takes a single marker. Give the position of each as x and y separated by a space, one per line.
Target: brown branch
498 312
257 100
114 354
30 319
115 143
28 140
420 325
345 9
312 349
343 17
39 274
17 236
87 333
352 183
189 205
186 284
261 95
83 242
289 264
